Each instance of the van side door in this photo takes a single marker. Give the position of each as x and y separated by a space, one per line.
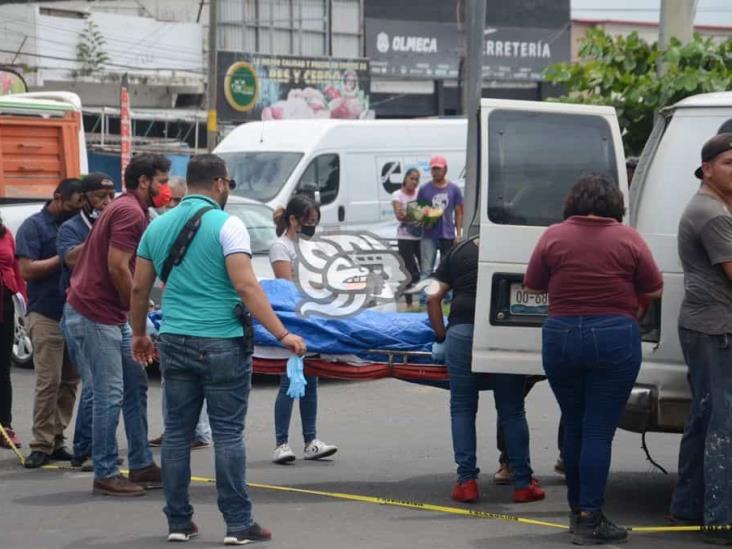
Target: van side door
322 179
530 155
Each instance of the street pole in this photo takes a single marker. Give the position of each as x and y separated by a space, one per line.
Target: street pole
212 129
475 45
676 21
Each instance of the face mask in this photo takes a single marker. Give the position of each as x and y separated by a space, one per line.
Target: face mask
307 230
161 199
94 214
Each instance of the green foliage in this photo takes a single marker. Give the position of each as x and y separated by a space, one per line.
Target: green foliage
621 71
90 51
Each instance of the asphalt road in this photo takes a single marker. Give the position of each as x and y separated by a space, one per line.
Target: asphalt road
394 442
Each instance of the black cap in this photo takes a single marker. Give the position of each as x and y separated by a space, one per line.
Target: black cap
97 181
722 142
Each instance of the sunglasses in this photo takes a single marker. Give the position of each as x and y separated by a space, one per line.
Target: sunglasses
230 182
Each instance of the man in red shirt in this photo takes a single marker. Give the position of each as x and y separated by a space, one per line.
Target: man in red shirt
96 318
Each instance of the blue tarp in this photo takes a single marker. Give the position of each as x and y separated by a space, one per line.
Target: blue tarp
352 335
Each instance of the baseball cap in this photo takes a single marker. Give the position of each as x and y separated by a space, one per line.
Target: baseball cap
97 181
438 161
718 144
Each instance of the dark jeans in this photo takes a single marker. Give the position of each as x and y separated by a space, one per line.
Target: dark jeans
410 252
219 371
508 392
591 363
704 487
308 410
501 440
7 333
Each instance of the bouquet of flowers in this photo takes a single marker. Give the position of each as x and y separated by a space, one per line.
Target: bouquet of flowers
424 214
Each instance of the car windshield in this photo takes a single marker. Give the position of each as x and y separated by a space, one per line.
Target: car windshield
260 175
258 221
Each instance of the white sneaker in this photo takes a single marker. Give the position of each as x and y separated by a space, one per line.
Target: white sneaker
317 449
283 454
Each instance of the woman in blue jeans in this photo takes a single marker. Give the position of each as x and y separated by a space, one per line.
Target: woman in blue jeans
596 271
297 220
458 271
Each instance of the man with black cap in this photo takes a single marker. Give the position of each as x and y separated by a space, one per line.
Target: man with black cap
98 192
705 326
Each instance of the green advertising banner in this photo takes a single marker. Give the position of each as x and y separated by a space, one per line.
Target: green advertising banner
278 87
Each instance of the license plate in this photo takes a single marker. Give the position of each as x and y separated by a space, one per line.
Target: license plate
526 303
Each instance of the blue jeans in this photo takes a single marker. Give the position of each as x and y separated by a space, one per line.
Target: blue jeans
508 393
428 253
591 363
704 487
85 411
308 410
203 427
219 371
118 383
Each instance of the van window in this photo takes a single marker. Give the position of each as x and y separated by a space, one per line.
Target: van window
535 158
323 174
260 175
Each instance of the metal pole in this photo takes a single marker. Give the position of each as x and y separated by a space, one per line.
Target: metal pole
676 21
474 25
212 125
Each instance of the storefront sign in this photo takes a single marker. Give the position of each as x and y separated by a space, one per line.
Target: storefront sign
269 87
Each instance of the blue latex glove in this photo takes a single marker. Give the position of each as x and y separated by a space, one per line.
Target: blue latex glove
438 352
296 374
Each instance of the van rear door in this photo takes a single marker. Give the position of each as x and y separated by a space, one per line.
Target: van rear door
530 155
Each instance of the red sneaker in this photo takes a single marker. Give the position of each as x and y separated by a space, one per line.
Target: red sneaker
533 492
13 437
466 492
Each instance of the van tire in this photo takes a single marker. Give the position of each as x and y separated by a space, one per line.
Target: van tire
22 353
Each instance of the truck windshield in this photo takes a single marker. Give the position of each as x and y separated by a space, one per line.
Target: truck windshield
260 175
535 158
258 220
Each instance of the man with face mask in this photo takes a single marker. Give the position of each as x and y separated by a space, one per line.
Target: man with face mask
95 318
98 191
56 379
203 355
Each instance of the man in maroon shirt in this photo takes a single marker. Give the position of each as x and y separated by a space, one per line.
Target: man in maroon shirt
96 318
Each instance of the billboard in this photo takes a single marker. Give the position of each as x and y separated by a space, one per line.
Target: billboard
521 38
253 86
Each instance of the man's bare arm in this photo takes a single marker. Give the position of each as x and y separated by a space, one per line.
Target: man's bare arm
118 263
38 269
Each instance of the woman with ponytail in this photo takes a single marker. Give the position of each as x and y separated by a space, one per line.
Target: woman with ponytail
297 220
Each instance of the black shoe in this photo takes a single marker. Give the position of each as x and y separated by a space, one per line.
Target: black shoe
254 533
595 529
78 461
574 515
183 534
61 454
36 459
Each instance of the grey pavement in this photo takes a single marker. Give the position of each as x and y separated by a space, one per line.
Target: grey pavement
394 442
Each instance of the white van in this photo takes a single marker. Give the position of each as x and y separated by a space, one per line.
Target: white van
531 153
352 165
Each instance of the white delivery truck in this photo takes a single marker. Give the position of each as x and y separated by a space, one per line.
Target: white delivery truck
352 166
530 155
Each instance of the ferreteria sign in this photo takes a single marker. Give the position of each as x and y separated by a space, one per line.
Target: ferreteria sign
274 87
424 38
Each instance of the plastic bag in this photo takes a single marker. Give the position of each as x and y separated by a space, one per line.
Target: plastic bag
296 374
438 352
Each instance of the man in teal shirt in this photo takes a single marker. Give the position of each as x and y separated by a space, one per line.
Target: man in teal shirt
202 351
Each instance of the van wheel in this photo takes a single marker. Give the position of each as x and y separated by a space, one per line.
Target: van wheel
22 355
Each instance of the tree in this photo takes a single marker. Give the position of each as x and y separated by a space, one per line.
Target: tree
621 71
90 51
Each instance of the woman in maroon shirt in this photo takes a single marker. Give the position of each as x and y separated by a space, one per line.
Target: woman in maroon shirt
11 283
595 269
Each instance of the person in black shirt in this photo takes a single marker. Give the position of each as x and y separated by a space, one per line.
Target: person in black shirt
458 272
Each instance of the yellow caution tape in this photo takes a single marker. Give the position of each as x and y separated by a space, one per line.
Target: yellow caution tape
460 511
13 447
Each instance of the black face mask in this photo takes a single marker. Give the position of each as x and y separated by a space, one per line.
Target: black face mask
307 230
65 216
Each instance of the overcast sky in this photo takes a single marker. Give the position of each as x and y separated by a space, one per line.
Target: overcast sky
708 12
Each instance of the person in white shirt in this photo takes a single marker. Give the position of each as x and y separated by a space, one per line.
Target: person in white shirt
297 220
409 233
